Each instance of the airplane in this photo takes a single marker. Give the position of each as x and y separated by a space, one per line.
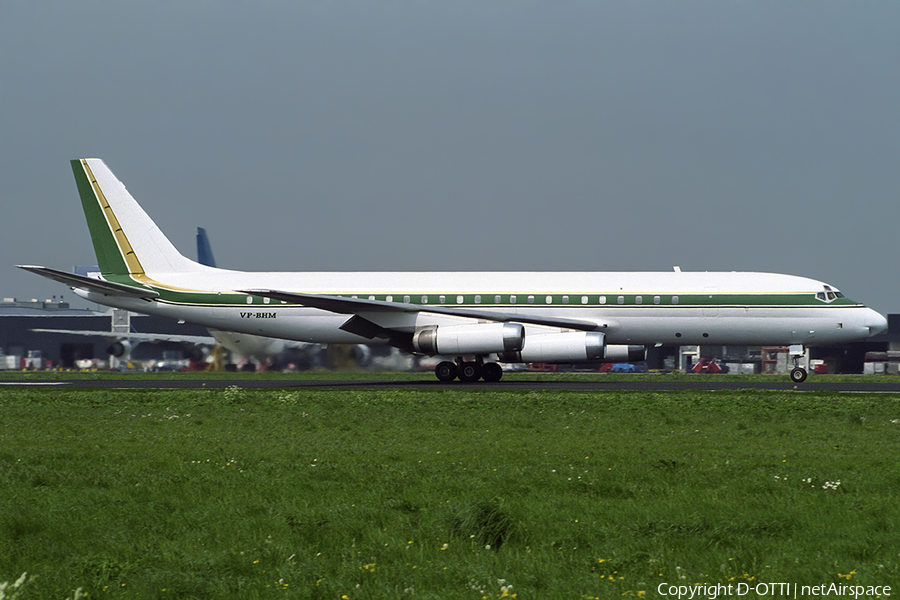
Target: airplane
122 342
478 318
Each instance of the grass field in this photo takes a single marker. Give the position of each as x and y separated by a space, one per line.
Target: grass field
451 493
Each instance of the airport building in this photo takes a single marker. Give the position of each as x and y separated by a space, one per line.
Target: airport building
48 334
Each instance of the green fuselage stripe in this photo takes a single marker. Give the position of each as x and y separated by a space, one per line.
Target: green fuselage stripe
525 300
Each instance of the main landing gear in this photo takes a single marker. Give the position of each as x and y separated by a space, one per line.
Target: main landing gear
468 371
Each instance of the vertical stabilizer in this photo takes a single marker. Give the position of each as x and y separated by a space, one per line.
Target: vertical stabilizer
204 249
126 240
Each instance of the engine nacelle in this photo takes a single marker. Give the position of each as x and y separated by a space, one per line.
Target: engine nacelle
481 338
623 354
119 349
575 346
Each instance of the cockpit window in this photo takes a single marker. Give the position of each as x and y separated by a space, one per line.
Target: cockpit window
829 294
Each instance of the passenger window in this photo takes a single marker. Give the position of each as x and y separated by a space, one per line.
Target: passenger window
512 299
442 299
497 299
424 299
530 299
602 299
548 300
638 300
621 299
655 299
565 299
584 300
477 298
406 299
460 299
674 299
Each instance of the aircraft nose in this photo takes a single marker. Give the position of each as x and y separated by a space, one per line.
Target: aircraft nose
875 321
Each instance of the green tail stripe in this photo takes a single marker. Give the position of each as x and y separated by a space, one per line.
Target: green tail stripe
108 255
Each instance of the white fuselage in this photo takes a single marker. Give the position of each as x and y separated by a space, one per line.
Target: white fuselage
645 308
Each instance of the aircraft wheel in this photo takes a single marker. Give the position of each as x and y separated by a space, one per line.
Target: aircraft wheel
798 375
445 371
491 372
469 372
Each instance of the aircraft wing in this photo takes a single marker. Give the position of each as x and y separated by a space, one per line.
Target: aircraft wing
108 288
355 306
139 337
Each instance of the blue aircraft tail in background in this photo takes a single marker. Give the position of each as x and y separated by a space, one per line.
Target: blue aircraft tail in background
204 250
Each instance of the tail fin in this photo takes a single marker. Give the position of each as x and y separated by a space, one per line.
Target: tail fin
126 240
204 249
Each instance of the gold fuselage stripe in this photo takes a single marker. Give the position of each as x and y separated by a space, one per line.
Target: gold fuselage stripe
131 259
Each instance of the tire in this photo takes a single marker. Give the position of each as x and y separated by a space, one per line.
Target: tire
445 371
798 375
491 372
469 372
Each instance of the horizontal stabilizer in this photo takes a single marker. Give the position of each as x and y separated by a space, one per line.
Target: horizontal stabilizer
107 288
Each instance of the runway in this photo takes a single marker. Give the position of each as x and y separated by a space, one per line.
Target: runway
536 383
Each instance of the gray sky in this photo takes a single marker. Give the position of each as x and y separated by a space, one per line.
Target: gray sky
463 135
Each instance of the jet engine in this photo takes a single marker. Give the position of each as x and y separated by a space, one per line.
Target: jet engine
481 338
625 354
576 346
119 349
573 347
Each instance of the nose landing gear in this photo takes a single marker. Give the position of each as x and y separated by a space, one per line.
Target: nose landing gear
798 373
